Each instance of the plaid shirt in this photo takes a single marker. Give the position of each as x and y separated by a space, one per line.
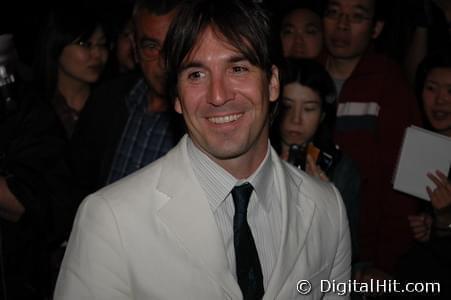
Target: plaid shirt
146 137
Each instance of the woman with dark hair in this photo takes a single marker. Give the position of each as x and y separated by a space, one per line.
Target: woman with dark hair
72 53
306 120
430 259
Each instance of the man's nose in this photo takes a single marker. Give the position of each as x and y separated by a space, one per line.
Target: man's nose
220 92
343 22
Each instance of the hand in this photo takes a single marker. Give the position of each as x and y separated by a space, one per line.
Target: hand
441 195
11 209
421 227
313 169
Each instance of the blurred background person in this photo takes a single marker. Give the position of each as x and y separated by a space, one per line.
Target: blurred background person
31 183
129 122
307 113
375 105
301 31
430 259
431 31
123 58
72 53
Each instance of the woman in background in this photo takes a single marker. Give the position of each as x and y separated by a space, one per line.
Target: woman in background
72 53
307 117
430 259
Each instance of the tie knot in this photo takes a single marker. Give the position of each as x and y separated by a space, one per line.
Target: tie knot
241 195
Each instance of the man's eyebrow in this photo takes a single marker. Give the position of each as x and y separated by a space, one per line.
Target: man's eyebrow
333 3
363 8
145 38
237 58
191 64
198 64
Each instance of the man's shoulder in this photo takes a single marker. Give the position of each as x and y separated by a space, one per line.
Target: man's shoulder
143 183
322 193
378 63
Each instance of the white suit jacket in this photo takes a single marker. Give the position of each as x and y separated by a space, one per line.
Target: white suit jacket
152 235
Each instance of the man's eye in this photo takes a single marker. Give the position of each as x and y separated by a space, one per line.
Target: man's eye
149 45
84 44
358 17
239 69
332 12
430 87
196 75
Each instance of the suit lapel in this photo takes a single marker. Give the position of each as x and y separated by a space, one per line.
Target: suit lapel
297 215
188 215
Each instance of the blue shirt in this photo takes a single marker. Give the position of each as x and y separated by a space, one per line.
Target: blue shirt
146 137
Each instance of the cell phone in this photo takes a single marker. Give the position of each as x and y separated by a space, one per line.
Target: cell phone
297 156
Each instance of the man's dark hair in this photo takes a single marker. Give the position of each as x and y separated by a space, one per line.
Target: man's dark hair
243 24
380 9
157 7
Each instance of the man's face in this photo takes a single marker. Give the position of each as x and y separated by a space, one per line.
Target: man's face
349 27
301 34
150 35
224 100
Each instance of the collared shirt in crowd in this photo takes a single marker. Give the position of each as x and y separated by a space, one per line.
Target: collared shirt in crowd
146 137
264 212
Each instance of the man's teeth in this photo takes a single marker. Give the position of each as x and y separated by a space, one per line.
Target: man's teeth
225 119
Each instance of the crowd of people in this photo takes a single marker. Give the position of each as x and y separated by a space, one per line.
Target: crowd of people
173 99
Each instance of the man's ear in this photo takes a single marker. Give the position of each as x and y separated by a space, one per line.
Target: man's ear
377 29
177 105
274 84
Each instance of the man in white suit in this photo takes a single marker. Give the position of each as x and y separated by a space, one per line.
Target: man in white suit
171 230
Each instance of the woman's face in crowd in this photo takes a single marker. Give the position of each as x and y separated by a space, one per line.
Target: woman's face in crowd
437 99
84 60
301 113
301 34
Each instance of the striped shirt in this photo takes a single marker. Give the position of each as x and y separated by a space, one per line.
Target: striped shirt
146 137
264 212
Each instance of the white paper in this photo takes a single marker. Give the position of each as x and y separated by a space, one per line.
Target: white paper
422 152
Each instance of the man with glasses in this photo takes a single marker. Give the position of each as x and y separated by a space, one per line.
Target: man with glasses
128 122
375 106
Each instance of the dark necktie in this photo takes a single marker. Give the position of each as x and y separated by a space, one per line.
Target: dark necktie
248 268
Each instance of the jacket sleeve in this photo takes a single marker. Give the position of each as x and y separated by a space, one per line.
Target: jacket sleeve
341 269
94 265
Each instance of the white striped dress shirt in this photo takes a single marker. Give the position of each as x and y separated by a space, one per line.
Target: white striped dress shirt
264 212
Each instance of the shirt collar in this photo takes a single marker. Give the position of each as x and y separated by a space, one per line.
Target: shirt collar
218 183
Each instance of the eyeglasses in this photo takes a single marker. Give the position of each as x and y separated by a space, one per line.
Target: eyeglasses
149 50
88 45
353 18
